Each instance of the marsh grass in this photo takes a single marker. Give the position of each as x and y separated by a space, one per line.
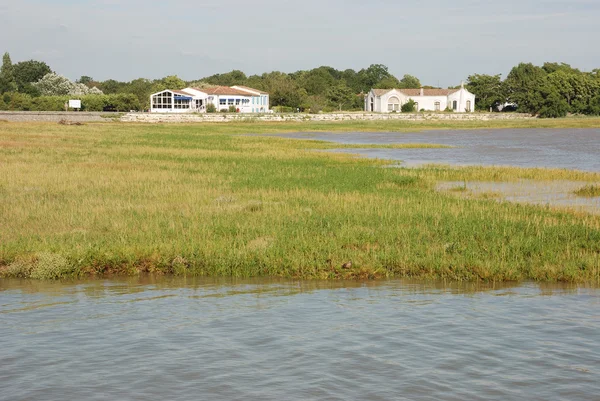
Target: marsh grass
106 199
588 191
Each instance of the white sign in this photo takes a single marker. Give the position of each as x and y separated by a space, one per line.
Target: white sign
75 104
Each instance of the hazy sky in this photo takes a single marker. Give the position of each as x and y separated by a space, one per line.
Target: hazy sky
439 41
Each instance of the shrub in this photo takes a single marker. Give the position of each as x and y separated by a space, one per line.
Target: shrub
51 266
211 108
232 109
408 107
20 268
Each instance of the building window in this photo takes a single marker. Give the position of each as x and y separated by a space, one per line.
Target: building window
182 104
454 105
162 100
237 101
468 106
223 102
437 106
393 104
372 104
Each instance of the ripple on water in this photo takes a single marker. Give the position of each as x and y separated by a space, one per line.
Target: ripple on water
298 340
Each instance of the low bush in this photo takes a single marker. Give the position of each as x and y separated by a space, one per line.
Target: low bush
408 107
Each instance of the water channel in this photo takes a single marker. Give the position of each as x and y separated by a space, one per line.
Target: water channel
192 338
574 149
577 149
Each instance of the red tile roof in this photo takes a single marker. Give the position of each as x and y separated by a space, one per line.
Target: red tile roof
224 90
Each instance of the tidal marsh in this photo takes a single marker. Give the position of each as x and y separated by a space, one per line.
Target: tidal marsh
202 199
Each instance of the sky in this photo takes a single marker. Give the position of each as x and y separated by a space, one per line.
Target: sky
441 42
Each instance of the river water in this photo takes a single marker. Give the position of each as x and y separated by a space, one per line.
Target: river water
191 338
577 149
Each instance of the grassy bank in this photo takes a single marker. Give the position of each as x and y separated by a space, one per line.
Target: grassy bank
200 199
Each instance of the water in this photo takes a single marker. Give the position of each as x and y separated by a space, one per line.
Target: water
577 149
182 339
554 193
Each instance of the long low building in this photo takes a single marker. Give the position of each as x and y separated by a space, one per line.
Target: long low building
391 100
196 100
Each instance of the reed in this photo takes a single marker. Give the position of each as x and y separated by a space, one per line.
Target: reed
109 198
588 191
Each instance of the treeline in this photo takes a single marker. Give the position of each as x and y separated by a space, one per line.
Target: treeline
552 90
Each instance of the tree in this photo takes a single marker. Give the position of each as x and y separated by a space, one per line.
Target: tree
85 80
340 95
169 82
488 90
523 87
316 81
7 77
553 104
388 83
235 77
409 82
373 75
27 73
57 85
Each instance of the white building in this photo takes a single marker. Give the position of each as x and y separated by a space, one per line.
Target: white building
391 100
195 100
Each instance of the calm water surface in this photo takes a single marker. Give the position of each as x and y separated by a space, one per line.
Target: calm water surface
182 339
554 148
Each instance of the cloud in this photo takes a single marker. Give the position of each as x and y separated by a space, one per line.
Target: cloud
436 40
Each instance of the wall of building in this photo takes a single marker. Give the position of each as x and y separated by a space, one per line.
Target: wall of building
427 103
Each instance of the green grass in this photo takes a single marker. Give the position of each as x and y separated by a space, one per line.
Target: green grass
102 199
588 191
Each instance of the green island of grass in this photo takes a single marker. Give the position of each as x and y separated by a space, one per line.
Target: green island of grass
588 191
110 198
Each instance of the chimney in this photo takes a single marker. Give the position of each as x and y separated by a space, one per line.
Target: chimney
422 92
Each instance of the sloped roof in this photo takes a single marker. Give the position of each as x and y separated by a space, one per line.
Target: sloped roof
182 92
224 90
379 92
417 92
246 88
428 92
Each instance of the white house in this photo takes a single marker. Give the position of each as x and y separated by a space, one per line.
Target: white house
391 100
195 100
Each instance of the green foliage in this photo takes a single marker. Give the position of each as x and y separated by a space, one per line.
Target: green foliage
235 77
523 85
232 109
85 80
409 107
488 90
388 83
211 108
49 266
553 105
8 82
28 72
340 95
409 82
24 102
42 266
555 89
